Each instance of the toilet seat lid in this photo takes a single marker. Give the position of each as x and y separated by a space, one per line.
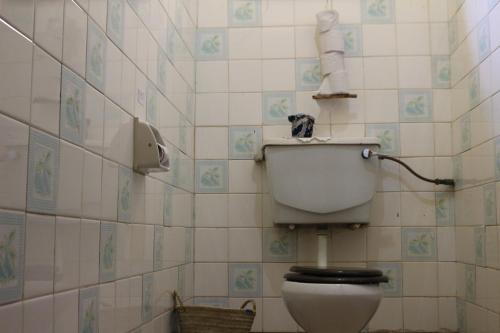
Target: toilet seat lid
335 275
336 271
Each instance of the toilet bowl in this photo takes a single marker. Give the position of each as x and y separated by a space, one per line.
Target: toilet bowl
332 300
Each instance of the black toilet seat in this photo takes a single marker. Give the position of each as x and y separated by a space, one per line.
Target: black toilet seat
335 275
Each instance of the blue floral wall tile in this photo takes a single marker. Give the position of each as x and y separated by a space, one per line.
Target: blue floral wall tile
353 40
470 282
279 245
107 252
490 204
115 24
12 226
211 44
167 205
483 38
88 310
415 105
147 297
461 316
277 106
72 106
419 244
245 280
473 86
211 176
244 12
43 172
96 56
441 72
152 104
480 245
307 74
377 11
465 132
216 302
244 142
158 248
445 209
161 76
393 271
125 194
388 134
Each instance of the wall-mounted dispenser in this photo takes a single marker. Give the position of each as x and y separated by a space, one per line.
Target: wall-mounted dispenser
150 152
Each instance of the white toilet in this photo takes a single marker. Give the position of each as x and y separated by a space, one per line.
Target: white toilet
318 182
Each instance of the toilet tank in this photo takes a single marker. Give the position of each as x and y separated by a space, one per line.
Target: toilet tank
316 181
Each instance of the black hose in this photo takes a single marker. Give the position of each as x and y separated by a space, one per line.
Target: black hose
437 181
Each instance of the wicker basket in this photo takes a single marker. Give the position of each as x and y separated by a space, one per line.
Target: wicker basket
204 319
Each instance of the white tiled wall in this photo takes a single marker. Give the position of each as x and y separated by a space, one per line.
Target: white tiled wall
257 63
86 243
475 64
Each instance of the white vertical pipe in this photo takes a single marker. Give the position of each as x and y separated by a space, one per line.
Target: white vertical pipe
322 250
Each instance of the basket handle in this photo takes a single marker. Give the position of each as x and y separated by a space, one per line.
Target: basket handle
177 301
249 301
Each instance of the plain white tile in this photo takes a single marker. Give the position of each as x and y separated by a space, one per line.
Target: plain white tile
245 76
94 120
11 317
245 245
420 279
211 210
212 76
379 39
380 73
412 11
245 210
211 143
414 72
278 42
109 190
107 307
14 138
277 13
69 199
45 93
67 253
212 13
205 239
39 255
244 177
66 312
420 313
89 252
210 279
38 315
305 42
212 109
16 69
75 37
381 106
245 43
413 39
278 75
49 20
245 109
20 14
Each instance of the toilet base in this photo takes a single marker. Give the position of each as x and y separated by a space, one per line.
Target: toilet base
331 308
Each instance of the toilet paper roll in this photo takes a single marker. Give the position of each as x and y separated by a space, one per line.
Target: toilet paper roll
327 19
332 40
332 62
338 82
